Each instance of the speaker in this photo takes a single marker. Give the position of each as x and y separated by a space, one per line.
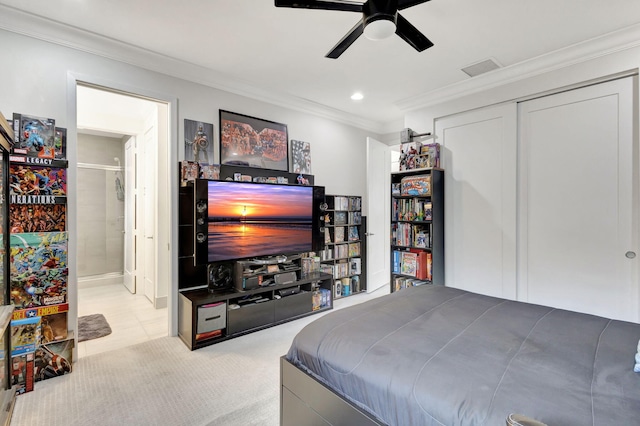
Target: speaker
219 277
201 222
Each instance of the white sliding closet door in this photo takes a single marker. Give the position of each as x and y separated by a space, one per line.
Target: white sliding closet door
578 200
478 150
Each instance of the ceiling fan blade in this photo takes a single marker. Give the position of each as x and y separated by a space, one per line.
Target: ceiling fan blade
347 6
346 41
411 35
404 4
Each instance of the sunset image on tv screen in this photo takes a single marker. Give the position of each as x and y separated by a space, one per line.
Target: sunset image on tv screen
249 220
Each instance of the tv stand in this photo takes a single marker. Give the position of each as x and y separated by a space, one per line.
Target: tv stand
207 318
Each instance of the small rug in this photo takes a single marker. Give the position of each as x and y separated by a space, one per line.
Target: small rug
92 326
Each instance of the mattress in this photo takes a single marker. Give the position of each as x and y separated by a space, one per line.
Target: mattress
434 355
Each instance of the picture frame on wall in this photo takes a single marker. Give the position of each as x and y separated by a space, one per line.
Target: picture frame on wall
198 141
253 142
301 157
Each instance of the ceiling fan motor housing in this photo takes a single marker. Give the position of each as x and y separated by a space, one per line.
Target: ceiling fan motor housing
375 10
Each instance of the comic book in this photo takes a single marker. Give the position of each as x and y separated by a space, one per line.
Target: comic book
22 372
54 359
25 218
34 136
37 184
41 288
24 334
34 252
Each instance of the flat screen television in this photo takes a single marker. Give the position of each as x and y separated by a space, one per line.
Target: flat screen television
251 220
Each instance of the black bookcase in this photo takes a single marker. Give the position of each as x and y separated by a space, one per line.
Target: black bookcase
417 228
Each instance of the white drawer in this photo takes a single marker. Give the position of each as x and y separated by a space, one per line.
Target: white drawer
212 317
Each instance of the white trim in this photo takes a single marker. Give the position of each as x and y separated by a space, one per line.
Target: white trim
74 79
56 32
624 39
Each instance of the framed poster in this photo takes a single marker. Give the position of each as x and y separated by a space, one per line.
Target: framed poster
198 141
301 157
253 142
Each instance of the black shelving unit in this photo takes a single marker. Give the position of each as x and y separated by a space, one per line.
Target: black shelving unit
344 244
417 228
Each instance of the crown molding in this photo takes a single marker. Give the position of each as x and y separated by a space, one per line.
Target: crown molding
51 31
607 44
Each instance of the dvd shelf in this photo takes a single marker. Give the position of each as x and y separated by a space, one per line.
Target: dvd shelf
342 256
417 228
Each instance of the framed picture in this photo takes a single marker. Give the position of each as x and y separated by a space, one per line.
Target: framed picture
301 157
253 142
198 141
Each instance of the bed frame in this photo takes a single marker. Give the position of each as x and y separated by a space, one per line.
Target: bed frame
305 401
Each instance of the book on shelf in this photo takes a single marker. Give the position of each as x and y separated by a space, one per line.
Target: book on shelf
355 218
341 251
340 218
354 249
409 263
346 286
338 234
355 203
356 266
354 234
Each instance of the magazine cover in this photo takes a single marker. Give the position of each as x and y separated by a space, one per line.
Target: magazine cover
34 136
34 252
25 218
53 359
37 180
41 288
198 141
301 157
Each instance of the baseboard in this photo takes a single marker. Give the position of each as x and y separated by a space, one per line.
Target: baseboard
100 280
160 302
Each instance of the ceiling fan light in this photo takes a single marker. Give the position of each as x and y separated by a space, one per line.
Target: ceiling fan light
379 29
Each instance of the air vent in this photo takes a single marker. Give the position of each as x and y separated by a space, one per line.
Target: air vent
480 67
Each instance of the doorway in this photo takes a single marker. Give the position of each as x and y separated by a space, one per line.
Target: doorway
117 146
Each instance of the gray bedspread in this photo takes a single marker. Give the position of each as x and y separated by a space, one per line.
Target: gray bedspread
434 355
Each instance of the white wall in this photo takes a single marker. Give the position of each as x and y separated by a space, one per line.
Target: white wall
41 80
617 62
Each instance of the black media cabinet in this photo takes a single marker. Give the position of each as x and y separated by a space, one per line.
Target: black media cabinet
206 318
262 296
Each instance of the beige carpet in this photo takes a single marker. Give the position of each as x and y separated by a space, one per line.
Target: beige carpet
161 382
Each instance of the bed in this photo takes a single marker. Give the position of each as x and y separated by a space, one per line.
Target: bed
434 355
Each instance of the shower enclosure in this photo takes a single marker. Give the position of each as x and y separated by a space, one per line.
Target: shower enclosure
101 210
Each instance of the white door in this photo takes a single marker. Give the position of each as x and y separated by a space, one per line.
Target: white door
129 214
478 155
578 207
149 202
378 216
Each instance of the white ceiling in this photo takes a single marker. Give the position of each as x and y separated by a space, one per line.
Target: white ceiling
278 53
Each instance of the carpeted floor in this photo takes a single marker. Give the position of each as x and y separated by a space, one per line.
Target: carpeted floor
161 382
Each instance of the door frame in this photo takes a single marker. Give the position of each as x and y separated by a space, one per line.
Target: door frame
167 250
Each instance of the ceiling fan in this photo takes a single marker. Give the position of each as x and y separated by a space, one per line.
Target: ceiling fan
380 19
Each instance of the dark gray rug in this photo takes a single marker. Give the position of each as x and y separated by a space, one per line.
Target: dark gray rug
92 326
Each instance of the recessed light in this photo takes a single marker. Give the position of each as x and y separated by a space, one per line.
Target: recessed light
357 96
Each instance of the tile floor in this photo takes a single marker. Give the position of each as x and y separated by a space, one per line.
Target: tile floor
132 318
